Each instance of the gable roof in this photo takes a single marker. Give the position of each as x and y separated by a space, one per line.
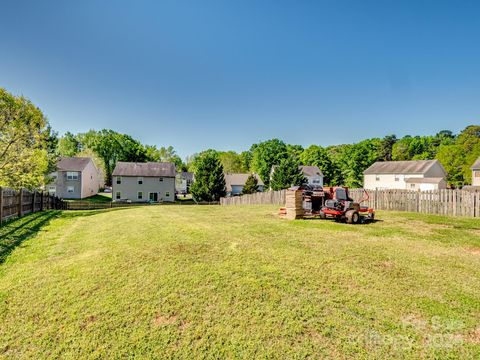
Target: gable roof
164 169
238 180
476 165
402 167
311 170
72 163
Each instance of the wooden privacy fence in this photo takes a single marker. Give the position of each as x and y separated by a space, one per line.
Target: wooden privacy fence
260 198
441 202
15 203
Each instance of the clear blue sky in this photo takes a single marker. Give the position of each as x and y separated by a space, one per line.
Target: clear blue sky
226 74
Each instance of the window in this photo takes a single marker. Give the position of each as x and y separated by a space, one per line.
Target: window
477 173
397 177
52 189
119 180
316 181
72 175
140 180
167 194
377 178
160 179
118 195
140 195
412 186
54 176
70 189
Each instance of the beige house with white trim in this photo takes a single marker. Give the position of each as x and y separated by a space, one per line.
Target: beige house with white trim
476 173
144 182
420 175
75 178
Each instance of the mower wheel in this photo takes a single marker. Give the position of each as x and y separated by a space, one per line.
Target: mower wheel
353 217
322 215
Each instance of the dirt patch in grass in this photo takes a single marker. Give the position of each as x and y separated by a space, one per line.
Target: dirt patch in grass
161 320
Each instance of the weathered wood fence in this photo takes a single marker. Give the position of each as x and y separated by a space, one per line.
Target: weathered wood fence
260 198
16 203
441 202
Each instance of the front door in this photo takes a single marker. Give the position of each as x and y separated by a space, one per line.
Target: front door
154 197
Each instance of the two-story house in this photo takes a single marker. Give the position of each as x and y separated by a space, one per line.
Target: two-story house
313 174
420 175
183 182
75 178
144 182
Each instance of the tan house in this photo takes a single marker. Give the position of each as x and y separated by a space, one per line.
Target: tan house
144 182
75 178
422 175
476 173
234 183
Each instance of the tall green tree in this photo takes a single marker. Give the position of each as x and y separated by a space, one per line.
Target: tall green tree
164 154
357 158
452 157
232 162
386 147
265 155
209 182
251 185
24 143
68 145
318 156
287 174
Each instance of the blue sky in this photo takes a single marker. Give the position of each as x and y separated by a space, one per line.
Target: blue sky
225 74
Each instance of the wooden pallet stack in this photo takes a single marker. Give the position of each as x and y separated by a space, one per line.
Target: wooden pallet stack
293 204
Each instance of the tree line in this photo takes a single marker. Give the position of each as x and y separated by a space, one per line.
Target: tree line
29 149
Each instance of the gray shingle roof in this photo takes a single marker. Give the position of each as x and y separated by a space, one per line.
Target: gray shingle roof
238 179
401 167
152 169
311 170
72 163
427 180
476 165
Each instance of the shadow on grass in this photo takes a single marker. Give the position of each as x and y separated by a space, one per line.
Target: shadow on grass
15 232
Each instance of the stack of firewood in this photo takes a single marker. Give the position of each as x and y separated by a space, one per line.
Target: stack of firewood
293 204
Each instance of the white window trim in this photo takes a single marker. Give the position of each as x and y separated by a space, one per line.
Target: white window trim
138 195
118 178
140 179
72 188
119 193
72 175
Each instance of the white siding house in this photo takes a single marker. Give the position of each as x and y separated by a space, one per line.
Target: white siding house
143 182
313 174
408 175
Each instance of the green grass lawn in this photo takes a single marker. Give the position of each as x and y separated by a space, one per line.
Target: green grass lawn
238 282
98 198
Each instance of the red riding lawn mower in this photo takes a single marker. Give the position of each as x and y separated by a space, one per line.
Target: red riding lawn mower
341 207
335 203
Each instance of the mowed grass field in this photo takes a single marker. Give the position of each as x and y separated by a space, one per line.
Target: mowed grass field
238 282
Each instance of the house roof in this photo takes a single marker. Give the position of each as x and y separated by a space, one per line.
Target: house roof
153 169
186 175
427 180
402 167
476 165
72 163
311 170
239 180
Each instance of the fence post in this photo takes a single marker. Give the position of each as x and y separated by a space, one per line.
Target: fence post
41 201
1 205
20 203
33 201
